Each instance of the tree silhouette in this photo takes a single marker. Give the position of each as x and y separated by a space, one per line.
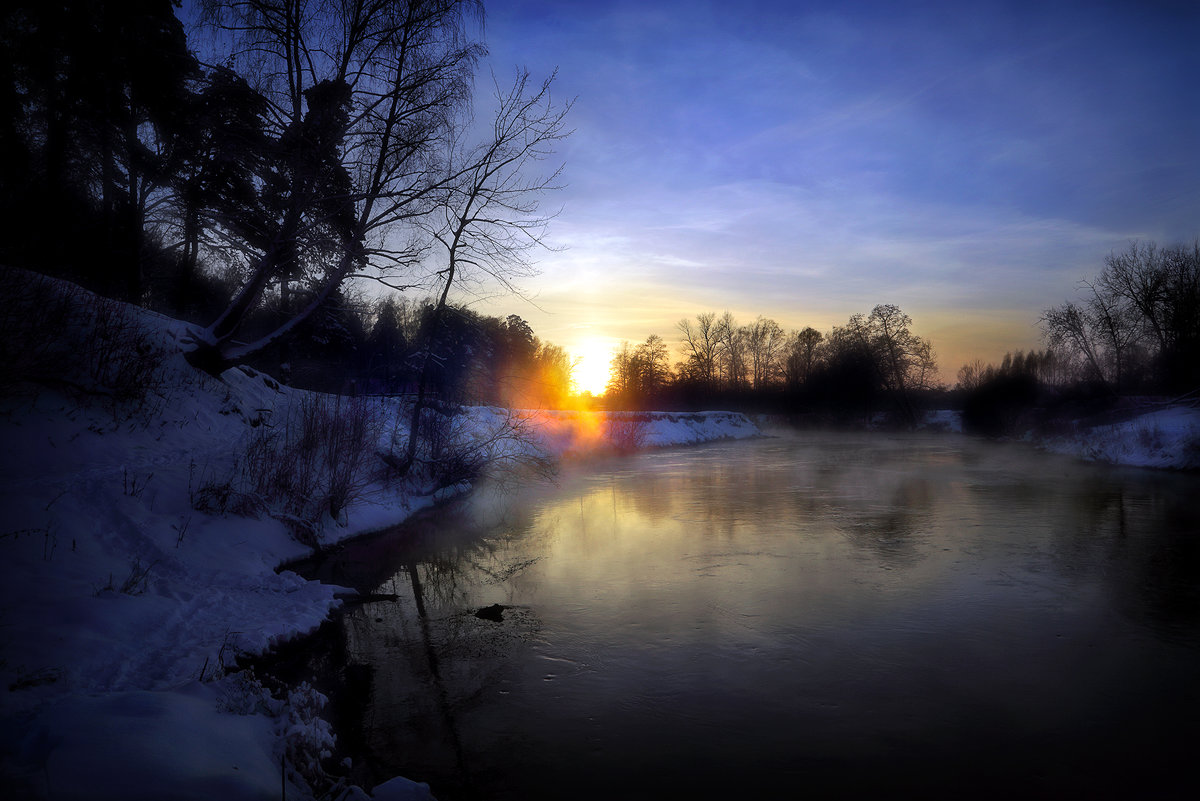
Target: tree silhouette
96 95
361 99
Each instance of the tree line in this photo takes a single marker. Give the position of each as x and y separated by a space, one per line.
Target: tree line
1135 331
1137 326
479 360
381 346
874 362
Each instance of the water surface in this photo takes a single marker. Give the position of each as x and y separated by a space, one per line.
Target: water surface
832 615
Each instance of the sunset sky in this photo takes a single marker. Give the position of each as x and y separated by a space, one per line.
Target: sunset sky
969 162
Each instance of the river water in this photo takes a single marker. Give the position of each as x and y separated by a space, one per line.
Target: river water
821 615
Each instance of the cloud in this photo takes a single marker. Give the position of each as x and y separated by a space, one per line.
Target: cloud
805 257
807 163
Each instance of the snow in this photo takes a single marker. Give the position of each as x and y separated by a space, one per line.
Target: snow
581 433
1166 437
152 745
1163 438
949 420
123 607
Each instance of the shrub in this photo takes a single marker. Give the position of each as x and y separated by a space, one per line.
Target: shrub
33 316
313 464
626 431
453 448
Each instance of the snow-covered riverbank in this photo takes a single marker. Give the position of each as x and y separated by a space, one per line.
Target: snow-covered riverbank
1161 436
133 575
1166 437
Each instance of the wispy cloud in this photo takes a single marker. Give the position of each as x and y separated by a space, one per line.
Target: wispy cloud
807 162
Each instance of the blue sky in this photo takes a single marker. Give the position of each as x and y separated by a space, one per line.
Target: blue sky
967 161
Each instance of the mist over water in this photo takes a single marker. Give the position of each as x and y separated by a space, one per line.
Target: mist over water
829 613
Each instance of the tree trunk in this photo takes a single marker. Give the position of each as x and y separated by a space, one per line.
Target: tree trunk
414 425
134 284
185 277
212 349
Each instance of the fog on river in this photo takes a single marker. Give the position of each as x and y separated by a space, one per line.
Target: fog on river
830 613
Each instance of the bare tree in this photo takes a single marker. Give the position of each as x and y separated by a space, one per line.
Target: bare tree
488 218
620 371
903 362
554 375
1121 329
906 359
765 342
361 97
637 374
732 351
1140 319
971 375
1067 329
701 344
1163 288
653 369
1103 332
802 356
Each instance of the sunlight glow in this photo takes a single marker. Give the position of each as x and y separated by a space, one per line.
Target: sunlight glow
591 374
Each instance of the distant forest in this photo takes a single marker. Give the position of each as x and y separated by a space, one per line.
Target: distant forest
1135 331
873 363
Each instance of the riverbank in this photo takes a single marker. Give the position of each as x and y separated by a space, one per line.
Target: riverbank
1159 435
1164 436
140 538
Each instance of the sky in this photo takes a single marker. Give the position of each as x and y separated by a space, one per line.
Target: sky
969 162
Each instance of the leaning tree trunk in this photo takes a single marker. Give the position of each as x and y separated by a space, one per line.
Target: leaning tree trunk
212 349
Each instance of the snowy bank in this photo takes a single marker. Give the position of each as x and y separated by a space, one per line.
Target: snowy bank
142 524
558 434
1164 438
948 420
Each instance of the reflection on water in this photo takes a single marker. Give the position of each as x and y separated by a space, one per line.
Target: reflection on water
833 615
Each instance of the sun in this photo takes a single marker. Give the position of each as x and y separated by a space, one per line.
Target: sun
591 374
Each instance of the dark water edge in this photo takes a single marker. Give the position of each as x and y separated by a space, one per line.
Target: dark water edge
1055 659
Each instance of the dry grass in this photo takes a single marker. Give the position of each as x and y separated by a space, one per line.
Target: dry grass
306 468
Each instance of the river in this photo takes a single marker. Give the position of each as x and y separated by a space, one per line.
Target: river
825 615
